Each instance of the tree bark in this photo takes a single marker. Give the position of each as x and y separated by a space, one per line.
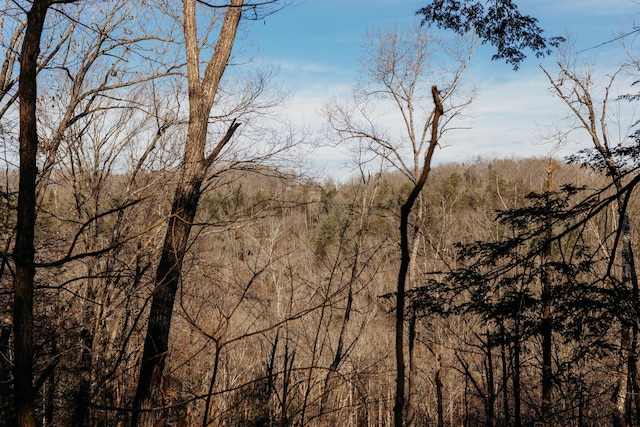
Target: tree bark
24 251
405 259
193 170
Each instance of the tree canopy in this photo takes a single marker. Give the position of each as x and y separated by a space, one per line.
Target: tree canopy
498 22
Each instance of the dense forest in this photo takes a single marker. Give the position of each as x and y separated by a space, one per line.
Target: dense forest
167 260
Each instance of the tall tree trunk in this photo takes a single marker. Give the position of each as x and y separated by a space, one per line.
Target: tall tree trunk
546 326
193 170
405 259
630 277
411 375
24 251
628 367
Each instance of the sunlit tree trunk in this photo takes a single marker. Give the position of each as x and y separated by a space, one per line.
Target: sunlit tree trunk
202 91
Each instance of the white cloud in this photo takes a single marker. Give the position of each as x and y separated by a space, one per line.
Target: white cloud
512 110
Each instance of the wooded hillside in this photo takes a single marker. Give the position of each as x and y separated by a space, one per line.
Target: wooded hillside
285 313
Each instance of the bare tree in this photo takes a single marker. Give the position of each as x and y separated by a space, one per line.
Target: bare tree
79 62
405 259
24 251
576 89
400 74
202 93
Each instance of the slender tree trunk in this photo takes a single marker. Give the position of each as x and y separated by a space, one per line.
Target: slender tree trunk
517 412
185 202
412 370
405 259
630 276
547 379
546 326
439 395
24 251
411 375
491 389
633 368
505 375
623 415
212 383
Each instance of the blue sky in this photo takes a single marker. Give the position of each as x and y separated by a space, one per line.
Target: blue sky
315 46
